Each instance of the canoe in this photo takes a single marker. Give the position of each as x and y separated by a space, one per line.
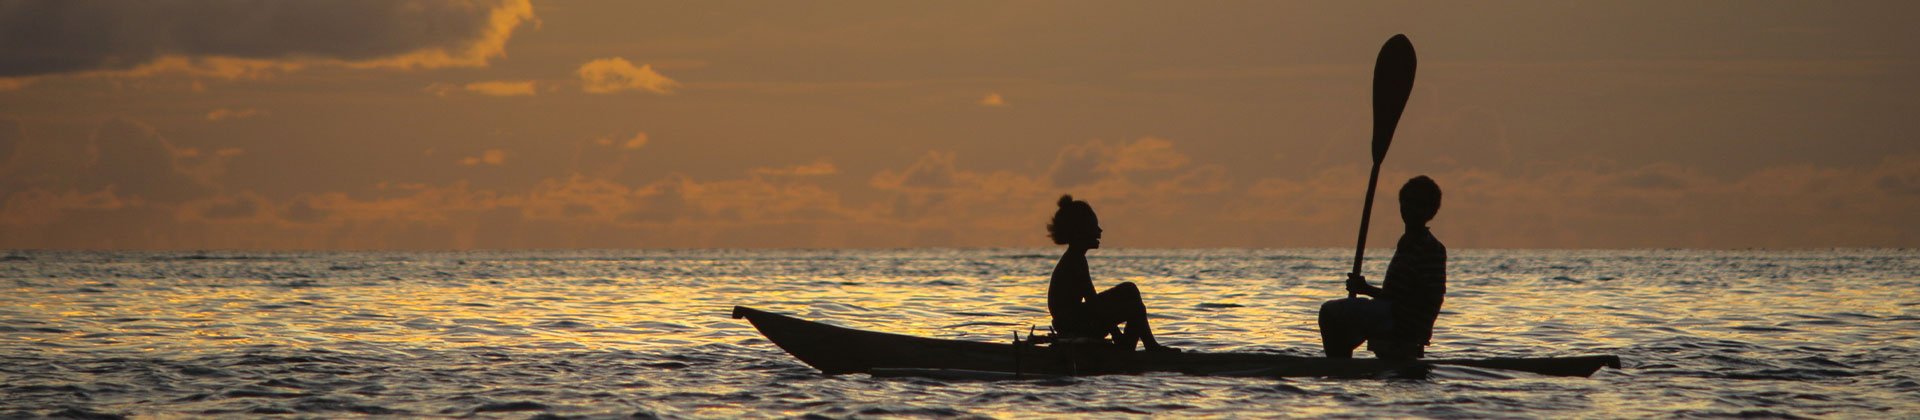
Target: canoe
838 350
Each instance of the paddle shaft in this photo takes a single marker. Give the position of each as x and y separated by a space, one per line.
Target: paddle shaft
1366 215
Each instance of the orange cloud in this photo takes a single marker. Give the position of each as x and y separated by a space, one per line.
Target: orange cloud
408 202
638 140
579 198
494 157
245 207
681 200
993 99
812 169
40 206
1145 154
614 75
1091 169
502 88
934 171
136 159
502 18
943 203
136 189
223 114
1096 169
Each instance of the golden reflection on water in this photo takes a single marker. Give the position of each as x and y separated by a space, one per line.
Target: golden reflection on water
622 307
633 313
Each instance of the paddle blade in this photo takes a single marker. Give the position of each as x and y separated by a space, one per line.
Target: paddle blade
1392 83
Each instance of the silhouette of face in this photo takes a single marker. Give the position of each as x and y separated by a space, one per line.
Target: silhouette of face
1415 215
1075 224
1089 232
1093 234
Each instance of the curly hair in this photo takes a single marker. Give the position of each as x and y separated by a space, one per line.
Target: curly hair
1073 221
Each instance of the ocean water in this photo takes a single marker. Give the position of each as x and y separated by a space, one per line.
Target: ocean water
1831 333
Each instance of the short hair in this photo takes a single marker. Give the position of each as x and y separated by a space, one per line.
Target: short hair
1420 199
1072 221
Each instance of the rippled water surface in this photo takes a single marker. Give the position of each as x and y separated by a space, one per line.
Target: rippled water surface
620 333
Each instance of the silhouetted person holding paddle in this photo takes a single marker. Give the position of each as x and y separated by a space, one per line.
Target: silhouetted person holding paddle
1398 322
1077 310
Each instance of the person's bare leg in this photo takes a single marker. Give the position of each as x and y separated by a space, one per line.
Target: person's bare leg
1135 311
1139 328
1339 330
1122 304
1124 340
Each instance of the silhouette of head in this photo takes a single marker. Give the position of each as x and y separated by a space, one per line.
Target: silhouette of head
1419 200
1074 224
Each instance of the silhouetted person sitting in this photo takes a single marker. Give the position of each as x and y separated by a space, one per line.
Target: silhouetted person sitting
1398 322
1077 310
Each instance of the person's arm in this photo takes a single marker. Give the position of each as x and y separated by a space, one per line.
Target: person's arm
1082 275
1357 284
1086 288
1061 290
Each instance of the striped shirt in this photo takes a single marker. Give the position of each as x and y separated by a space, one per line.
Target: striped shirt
1416 283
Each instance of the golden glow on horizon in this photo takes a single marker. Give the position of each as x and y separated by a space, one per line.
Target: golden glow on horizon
517 124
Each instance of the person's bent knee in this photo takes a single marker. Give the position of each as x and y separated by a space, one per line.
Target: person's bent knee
1341 304
1128 296
1333 314
1126 292
1338 335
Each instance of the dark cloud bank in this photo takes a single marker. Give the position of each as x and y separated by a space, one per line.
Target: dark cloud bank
47 37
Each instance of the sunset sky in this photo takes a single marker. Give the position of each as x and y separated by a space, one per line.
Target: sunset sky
444 124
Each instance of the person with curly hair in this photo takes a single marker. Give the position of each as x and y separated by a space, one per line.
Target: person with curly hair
1078 311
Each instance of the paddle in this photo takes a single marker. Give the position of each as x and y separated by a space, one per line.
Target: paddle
1392 83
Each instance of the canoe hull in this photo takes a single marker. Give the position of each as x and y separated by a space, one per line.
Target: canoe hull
839 350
